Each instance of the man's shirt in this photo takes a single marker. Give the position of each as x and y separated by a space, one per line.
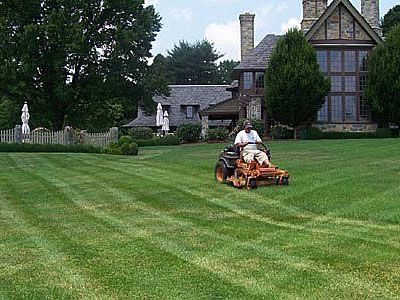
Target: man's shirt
251 137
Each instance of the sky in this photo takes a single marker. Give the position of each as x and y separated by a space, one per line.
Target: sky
218 21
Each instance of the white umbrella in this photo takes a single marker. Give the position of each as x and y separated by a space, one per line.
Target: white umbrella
159 118
25 119
165 126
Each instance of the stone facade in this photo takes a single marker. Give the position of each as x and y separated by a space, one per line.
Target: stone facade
254 108
370 11
333 25
350 127
246 33
312 10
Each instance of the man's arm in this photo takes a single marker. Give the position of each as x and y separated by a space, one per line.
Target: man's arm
258 139
239 141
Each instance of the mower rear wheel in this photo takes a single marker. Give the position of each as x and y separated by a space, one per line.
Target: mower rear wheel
221 172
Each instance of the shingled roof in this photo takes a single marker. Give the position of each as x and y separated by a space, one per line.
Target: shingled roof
259 57
202 95
182 95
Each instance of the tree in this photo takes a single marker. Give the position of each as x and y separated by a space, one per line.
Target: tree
225 71
391 19
383 85
295 87
193 63
81 62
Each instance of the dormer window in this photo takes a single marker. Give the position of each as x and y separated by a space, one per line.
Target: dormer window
247 80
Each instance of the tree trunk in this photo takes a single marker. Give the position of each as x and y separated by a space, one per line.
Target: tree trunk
295 132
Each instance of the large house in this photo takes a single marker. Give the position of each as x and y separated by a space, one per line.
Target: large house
184 104
342 36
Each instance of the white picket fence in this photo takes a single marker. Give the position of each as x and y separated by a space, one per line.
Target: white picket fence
45 137
102 139
7 136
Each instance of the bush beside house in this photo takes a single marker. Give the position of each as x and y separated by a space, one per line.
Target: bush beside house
189 133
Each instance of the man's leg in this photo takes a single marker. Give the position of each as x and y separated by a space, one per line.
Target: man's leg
248 156
262 159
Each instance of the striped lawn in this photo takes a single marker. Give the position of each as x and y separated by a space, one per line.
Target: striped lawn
156 226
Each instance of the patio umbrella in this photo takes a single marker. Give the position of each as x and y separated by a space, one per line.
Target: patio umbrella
159 118
25 119
165 126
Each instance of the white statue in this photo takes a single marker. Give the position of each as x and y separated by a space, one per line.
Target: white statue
25 119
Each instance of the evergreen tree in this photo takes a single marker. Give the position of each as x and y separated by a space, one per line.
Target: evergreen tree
193 64
383 85
81 62
225 71
295 87
391 19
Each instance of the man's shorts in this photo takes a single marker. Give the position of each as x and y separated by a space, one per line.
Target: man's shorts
258 155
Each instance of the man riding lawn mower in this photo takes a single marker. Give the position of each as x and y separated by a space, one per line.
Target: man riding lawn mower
247 164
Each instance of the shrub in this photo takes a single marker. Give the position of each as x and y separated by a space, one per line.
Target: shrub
281 133
112 149
129 149
168 140
189 133
125 146
125 139
313 133
257 125
141 133
219 133
49 148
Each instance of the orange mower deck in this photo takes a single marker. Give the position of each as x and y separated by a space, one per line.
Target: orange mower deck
231 169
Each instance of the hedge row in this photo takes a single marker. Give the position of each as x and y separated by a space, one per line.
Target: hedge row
313 133
49 148
168 140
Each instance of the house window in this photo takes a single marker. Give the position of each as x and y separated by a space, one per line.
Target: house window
362 60
336 84
351 108
337 110
350 84
322 58
259 80
247 80
189 112
323 114
365 113
336 61
363 82
350 61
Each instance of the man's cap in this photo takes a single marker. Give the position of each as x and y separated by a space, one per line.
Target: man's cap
247 124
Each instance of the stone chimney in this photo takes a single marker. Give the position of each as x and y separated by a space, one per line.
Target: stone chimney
370 11
246 33
312 10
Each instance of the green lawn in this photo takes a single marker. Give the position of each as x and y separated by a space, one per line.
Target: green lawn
156 226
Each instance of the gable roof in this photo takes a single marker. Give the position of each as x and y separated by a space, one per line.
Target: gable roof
202 95
258 58
353 11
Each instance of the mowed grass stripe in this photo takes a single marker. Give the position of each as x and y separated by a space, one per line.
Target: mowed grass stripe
115 226
101 172
263 291
355 232
243 250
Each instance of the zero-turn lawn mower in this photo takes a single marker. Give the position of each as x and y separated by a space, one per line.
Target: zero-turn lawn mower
233 170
